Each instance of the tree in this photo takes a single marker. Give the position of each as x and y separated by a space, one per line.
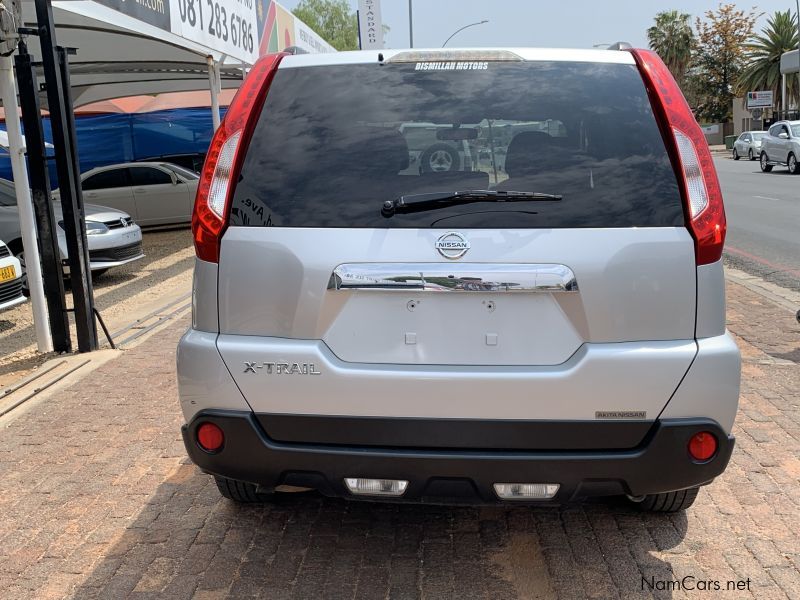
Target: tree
332 20
718 61
672 38
763 53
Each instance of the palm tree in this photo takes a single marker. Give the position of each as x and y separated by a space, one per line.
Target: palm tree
672 39
763 52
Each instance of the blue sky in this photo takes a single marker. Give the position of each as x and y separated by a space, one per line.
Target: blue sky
548 23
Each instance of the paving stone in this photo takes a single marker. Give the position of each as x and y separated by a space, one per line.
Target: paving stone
97 500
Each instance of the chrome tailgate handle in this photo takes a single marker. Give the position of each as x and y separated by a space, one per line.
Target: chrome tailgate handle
464 277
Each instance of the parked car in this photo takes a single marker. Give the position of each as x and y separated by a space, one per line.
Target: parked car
748 144
191 160
550 333
781 147
113 238
11 280
153 194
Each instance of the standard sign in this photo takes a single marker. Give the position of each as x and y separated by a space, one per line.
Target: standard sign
370 25
759 99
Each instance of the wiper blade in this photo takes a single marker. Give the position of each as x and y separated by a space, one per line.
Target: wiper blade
413 203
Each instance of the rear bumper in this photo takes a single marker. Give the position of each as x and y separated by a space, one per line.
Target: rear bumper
660 463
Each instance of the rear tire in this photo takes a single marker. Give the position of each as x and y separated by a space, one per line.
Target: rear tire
765 166
750 155
794 167
735 154
240 491
668 502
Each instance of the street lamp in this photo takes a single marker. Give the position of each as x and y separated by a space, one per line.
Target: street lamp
462 29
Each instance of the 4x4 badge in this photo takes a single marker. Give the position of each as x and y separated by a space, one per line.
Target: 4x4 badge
452 245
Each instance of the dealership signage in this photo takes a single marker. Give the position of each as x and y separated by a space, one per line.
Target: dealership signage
370 24
759 99
240 29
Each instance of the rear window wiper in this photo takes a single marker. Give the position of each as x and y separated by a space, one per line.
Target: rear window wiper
413 203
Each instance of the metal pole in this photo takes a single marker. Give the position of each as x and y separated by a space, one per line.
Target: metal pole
410 24
462 29
47 226
27 221
797 104
213 86
56 74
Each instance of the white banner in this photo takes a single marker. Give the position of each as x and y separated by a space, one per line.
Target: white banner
761 99
370 24
227 26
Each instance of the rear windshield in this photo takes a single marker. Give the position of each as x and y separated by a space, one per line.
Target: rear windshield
333 144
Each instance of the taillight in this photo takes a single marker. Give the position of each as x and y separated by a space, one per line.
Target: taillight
702 446
210 437
702 196
224 158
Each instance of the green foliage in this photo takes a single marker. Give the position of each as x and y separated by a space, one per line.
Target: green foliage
763 54
718 62
672 38
332 20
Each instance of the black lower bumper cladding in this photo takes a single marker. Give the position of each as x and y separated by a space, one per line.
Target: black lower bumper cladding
660 463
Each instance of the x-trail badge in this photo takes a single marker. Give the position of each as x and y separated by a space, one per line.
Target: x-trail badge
452 245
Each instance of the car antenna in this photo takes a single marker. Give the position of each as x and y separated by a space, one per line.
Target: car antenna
380 57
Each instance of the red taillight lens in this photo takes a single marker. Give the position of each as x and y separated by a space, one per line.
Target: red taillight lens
223 161
210 437
703 446
692 159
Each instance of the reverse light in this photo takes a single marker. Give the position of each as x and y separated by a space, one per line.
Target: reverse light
224 158
376 487
526 491
210 437
692 159
702 446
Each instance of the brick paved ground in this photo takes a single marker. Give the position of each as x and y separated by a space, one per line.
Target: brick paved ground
97 501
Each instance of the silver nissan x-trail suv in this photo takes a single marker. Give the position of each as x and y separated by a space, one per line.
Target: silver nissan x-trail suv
542 319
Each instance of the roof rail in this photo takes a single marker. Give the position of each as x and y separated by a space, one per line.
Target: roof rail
620 46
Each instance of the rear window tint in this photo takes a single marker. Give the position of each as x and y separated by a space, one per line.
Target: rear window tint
332 144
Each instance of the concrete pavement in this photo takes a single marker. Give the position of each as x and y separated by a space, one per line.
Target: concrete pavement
97 500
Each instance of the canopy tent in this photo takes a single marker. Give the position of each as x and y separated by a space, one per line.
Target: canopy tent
121 59
129 48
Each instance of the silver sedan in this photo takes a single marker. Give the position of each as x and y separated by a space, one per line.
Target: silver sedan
748 144
153 193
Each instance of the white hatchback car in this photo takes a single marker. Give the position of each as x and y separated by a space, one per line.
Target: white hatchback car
10 279
748 145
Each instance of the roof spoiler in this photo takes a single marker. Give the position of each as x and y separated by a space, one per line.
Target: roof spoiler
620 46
295 50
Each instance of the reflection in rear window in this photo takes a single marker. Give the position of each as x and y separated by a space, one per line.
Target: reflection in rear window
334 143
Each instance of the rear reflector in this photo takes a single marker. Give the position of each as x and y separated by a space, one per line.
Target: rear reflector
703 446
224 158
210 437
376 487
691 157
526 491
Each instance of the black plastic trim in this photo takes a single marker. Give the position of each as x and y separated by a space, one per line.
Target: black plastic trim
659 464
462 434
